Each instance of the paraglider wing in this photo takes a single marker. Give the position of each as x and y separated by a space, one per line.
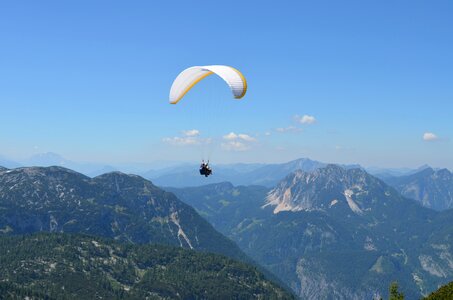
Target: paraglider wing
188 78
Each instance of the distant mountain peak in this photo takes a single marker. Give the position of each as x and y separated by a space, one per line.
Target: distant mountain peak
432 188
7 163
47 159
324 189
427 170
48 155
423 167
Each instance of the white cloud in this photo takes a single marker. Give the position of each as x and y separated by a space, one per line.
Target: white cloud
241 136
288 129
246 137
267 133
429 137
237 142
192 132
182 141
235 146
189 137
305 119
230 136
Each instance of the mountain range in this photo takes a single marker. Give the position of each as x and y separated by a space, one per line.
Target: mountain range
333 233
174 173
327 231
238 174
91 169
432 188
183 174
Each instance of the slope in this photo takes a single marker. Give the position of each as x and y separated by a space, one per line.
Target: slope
62 266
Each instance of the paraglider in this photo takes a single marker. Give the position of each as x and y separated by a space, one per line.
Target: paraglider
188 78
205 169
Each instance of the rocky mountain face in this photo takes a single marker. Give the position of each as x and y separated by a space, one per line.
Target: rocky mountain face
432 188
335 233
303 191
68 266
114 205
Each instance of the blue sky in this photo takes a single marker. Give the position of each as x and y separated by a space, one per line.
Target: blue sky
90 80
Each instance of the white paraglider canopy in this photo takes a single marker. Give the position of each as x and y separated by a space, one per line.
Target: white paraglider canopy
188 78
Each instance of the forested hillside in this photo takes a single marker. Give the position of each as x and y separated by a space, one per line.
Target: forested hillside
62 266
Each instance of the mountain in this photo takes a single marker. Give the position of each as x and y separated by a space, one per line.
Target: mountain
229 169
269 175
114 205
432 188
63 266
46 160
384 173
238 174
7 163
334 233
53 159
391 174
90 169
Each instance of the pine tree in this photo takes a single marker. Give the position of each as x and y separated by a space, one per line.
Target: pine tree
394 293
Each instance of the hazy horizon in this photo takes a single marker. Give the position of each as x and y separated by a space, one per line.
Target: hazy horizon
163 164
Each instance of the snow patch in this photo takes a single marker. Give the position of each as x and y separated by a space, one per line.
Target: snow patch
334 201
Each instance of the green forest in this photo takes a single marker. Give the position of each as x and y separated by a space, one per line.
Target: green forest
64 266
